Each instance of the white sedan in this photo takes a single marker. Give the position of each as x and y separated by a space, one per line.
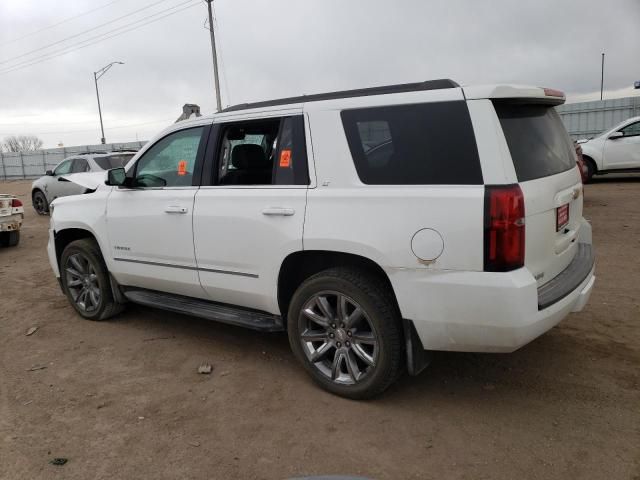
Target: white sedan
616 150
51 186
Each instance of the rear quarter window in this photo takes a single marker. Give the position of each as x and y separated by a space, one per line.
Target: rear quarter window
420 144
538 142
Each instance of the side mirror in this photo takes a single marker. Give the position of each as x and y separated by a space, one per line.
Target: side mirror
116 177
615 135
49 173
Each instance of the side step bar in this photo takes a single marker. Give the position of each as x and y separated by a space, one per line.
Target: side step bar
219 312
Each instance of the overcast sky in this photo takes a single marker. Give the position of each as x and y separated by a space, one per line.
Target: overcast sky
275 48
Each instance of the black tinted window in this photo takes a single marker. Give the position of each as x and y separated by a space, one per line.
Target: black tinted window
424 144
537 139
113 161
79 165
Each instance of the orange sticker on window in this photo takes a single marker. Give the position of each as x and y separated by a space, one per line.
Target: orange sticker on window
182 167
285 158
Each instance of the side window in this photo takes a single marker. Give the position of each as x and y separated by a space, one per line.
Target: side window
421 144
170 162
263 152
631 130
63 168
80 165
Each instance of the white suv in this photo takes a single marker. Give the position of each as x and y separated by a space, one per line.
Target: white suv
372 225
53 185
614 150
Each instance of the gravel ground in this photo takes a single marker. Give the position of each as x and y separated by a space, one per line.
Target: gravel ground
123 399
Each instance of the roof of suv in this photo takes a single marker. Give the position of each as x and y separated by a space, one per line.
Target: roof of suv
494 91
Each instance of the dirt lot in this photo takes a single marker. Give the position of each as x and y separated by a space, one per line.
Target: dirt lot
122 399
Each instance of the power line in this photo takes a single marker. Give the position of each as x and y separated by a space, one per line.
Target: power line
59 23
88 42
24 54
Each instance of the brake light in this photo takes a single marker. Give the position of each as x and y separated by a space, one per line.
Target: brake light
15 203
504 228
552 92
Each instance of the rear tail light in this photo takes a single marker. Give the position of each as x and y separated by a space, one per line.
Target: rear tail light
503 228
15 203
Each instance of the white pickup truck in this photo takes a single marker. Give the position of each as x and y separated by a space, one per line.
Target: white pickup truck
11 215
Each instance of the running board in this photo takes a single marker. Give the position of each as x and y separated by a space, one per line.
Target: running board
218 312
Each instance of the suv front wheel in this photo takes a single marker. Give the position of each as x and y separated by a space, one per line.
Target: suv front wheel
344 327
85 280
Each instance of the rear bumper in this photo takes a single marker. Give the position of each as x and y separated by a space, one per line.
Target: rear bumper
569 279
11 223
483 311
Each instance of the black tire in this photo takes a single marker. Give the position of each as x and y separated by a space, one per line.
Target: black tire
13 238
87 252
591 169
40 204
9 239
364 291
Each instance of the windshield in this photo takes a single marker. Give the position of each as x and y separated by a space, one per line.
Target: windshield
113 161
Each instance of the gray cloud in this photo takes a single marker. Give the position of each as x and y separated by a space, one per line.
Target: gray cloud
274 48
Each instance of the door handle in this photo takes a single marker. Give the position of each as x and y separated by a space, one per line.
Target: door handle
282 211
176 209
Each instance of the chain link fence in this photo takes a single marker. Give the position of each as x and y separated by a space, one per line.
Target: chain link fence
22 165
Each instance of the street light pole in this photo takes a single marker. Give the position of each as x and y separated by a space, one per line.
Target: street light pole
215 56
95 79
602 78
96 76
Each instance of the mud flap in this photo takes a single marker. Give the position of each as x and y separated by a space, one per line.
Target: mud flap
417 357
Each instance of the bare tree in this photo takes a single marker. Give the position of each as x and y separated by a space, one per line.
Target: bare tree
22 143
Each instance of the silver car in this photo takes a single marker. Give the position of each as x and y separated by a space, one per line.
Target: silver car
51 186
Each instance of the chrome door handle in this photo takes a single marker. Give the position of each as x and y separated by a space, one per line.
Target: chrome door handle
284 212
176 209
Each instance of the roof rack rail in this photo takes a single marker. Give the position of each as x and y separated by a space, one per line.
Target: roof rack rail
361 92
90 152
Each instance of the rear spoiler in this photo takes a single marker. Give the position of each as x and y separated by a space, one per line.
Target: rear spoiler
516 93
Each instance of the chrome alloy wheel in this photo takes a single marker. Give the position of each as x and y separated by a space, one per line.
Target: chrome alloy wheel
338 338
82 282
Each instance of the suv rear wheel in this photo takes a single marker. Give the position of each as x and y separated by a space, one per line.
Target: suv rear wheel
345 329
85 280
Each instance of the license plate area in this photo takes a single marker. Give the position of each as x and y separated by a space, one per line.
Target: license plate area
562 217
5 207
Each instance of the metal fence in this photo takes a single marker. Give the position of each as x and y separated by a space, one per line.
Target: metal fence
14 166
588 119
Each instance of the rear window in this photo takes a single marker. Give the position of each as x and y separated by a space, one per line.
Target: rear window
537 139
422 144
113 161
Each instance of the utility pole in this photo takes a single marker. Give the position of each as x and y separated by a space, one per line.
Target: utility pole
215 56
96 76
602 78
